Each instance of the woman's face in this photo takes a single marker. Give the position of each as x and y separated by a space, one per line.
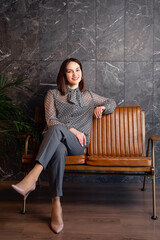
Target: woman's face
73 74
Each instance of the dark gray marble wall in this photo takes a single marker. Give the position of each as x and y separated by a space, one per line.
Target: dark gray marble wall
118 42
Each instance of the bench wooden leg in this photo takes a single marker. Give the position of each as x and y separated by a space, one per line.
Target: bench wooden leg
154 198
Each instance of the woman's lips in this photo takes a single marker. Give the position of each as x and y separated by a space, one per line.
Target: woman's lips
75 78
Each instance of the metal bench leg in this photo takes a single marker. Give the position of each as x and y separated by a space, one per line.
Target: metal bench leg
153 183
154 198
144 184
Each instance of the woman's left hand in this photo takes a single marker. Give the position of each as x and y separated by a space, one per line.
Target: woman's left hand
98 111
80 136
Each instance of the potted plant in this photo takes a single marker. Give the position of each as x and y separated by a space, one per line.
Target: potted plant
13 121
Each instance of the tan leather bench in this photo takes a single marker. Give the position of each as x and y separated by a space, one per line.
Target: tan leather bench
117 146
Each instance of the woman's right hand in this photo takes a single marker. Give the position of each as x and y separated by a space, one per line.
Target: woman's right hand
80 136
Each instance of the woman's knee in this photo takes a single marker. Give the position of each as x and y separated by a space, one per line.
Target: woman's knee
60 154
61 150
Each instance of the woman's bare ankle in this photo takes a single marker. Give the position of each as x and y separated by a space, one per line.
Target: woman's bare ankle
56 215
56 200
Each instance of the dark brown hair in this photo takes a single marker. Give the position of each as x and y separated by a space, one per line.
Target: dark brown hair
61 77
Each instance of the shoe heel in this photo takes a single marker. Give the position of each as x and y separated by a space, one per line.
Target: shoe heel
24 203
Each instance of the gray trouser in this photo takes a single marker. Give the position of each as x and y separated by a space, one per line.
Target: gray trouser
58 142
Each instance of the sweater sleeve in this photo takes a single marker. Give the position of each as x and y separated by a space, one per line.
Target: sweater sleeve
50 111
109 104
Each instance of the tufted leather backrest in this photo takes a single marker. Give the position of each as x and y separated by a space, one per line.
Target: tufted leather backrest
121 133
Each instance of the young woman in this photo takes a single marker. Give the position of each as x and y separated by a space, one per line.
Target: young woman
68 110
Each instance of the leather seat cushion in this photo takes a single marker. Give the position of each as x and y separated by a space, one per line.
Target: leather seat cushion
137 161
71 160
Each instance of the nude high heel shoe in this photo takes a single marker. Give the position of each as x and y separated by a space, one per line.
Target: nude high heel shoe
57 228
24 194
22 191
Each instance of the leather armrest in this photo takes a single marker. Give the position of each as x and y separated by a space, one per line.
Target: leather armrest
23 135
153 136
26 143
